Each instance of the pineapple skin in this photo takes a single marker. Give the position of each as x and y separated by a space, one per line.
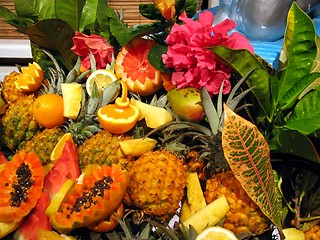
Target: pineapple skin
156 184
43 143
18 124
9 92
103 148
244 215
313 233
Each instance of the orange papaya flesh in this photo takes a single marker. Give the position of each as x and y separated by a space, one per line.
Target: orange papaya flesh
110 222
98 196
21 184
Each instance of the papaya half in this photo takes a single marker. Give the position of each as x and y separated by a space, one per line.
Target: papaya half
98 195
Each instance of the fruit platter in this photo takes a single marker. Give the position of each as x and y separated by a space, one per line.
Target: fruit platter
173 129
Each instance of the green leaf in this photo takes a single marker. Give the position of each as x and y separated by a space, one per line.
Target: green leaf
291 97
70 12
243 61
188 6
11 18
150 11
40 10
248 156
89 15
306 115
294 143
54 35
299 53
124 34
155 57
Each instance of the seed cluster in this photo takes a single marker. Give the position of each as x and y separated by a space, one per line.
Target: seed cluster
86 200
21 186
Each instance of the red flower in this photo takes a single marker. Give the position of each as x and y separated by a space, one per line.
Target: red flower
100 48
188 54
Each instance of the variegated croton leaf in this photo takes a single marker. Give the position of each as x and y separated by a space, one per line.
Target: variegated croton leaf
248 155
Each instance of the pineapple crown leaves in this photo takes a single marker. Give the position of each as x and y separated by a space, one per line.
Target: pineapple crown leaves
215 115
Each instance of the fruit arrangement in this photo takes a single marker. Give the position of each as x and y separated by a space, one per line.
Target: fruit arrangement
159 131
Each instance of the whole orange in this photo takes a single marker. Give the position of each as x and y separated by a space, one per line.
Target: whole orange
48 110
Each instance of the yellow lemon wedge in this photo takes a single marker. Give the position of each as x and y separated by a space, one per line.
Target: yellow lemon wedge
216 233
58 197
102 78
57 151
138 146
72 97
8 227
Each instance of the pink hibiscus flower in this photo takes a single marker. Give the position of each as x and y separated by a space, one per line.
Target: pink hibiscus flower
188 54
100 48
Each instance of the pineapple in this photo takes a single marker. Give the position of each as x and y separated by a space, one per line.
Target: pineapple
103 148
43 143
10 93
313 233
18 124
156 184
244 215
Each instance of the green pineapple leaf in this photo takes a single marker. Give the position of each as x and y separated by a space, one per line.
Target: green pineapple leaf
248 156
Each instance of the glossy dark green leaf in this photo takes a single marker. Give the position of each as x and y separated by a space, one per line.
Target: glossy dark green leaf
292 95
150 11
243 61
54 35
70 12
43 9
248 155
295 143
299 53
155 57
305 117
11 18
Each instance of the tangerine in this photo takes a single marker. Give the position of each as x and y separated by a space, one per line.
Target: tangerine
133 67
48 110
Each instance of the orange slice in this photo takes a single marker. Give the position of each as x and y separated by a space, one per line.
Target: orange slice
120 117
57 151
133 67
30 78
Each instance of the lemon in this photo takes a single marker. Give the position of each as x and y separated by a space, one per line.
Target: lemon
102 78
138 146
57 151
216 233
72 97
58 197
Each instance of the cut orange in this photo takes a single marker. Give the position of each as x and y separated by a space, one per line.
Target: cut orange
216 233
133 67
120 117
57 151
102 78
30 78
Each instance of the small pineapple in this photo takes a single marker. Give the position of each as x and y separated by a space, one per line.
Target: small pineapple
43 143
244 215
18 124
157 184
103 148
10 93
